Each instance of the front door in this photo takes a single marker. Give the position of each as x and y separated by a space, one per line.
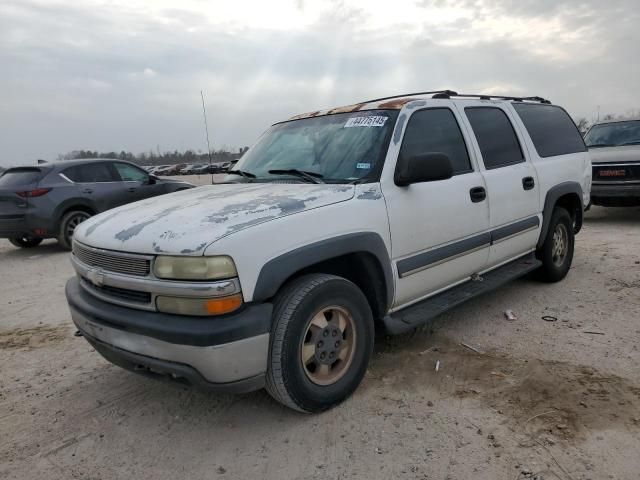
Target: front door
438 229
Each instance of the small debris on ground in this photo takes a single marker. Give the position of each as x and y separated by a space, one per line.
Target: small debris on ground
437 365
509 315
549 318
474 349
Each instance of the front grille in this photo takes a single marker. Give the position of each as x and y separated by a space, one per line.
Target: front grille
618 172
112 261
119 293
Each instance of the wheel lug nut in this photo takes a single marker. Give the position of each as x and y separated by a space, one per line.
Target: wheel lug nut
320 344
334 333
338 344
322 355
331 355
325 333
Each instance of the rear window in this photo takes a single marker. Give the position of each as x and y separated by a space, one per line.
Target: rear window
551 129
20 176
90 173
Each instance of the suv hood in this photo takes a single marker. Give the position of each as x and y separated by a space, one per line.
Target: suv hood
627 153
186 222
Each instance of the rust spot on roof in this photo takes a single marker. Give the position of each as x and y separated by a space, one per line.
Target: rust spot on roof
396 103
306 115
347 108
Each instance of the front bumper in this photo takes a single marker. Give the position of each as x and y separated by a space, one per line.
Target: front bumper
615 190
227 353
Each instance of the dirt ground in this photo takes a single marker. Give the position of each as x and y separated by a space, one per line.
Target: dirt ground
542 399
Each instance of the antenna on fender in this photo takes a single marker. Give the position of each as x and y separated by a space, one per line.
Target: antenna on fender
206 130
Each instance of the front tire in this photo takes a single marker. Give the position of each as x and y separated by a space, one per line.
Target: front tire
25 241
321 342
556 252
68 224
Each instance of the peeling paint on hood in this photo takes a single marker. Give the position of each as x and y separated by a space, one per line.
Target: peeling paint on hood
187 222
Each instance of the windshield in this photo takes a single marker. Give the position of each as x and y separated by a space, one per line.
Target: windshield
614 134
340 148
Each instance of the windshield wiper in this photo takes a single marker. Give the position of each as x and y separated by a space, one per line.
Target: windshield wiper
637 142
312 177
242 173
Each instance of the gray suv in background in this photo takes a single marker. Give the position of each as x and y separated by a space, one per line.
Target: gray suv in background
51 199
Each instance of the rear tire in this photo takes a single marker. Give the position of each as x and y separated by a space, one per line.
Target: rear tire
68 225
25 241
321 341
556 252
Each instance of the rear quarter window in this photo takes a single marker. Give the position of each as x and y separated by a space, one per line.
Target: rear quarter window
551 129
20 176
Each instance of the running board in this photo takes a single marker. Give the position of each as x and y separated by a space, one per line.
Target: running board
420 313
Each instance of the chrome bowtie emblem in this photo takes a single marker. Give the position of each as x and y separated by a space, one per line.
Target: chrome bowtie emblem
96 276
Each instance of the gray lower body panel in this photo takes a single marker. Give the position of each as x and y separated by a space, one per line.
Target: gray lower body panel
216 365
420 313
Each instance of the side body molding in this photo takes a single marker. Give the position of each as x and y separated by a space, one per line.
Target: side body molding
276 271
550 200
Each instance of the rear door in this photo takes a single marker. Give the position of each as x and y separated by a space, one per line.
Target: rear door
98 183
438 229
511 179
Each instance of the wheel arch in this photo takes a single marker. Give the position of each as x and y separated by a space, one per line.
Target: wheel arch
361 258
71 205
567 195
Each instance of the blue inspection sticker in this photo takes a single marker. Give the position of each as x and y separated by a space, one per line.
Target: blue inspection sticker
363 166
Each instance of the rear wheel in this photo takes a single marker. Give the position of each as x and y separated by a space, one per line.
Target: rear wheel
25 241
321 342
68 224
556 252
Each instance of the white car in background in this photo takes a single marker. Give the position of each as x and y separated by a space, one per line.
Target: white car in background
615 153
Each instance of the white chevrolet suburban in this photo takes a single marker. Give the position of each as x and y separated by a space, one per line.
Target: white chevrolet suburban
377 216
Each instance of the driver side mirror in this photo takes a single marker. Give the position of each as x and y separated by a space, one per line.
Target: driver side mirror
424 167
151 180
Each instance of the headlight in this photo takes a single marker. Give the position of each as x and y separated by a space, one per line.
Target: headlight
199 306
194 268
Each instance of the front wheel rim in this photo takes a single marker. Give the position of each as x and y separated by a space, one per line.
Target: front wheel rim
73 223
560 245
328 345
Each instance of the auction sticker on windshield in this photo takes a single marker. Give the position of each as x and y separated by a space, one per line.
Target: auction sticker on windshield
373 121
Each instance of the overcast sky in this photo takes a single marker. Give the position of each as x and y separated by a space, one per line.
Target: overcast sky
127 74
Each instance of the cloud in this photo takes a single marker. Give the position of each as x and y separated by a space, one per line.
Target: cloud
128 74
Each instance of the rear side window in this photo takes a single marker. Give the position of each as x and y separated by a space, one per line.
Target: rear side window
551 129
129 173
496 138
436 130
15 177
90 173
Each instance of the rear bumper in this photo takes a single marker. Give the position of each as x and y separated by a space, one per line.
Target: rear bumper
223 354
16 225
12 225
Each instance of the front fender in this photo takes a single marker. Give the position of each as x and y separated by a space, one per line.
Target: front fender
277 270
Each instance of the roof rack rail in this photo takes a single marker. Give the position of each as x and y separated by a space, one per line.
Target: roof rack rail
451 93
